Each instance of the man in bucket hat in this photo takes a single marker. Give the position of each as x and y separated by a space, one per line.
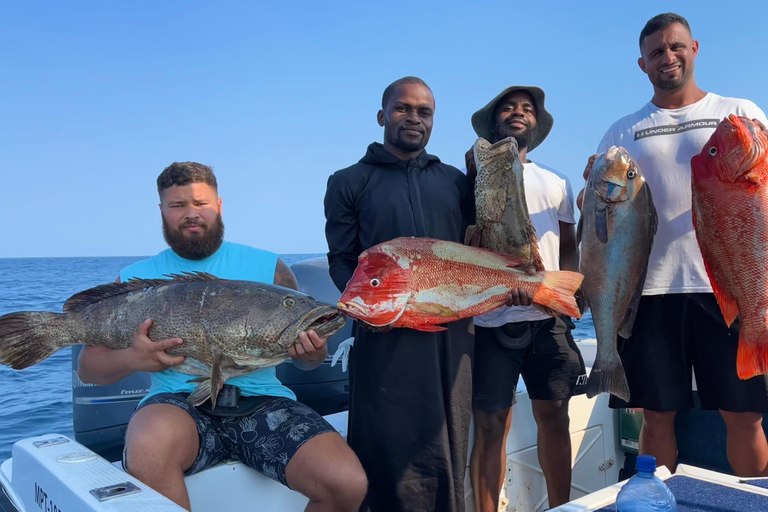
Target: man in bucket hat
519 339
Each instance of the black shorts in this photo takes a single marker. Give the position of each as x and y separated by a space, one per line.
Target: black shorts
673 334
551 365
264 440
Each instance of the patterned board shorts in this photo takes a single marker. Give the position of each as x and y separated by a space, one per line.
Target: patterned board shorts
264 440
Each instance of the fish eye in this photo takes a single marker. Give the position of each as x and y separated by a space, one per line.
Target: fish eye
375 282
712 151
631 174
288 302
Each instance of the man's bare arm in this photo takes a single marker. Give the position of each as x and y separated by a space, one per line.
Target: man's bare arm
569 249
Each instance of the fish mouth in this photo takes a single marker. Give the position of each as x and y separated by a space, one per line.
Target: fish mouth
352 308
325 321
610 192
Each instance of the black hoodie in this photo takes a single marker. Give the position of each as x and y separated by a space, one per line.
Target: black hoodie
382 197
410 391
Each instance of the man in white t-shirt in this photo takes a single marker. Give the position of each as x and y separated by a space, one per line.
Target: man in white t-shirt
520 339
679 325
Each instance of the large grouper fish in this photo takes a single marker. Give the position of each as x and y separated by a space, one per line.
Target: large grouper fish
729 181
616 229
229 328
502 221
421 282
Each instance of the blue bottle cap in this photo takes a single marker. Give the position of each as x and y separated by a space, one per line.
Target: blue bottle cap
646 463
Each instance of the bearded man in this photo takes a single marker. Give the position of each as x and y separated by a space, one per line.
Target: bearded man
168 438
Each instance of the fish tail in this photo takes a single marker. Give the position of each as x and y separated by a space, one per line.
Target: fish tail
751 357
557 292
26 338
608 377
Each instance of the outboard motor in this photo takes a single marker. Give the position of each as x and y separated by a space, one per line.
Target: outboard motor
101 413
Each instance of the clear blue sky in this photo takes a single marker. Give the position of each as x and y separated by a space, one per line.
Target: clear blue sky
96 98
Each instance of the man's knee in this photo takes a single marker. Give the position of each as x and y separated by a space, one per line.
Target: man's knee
326 470
742 421
157 440
347 486
657 423
551 414
491 424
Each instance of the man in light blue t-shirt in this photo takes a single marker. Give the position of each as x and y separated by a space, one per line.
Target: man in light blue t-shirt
167 438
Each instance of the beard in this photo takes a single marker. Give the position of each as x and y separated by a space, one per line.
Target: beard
672 84
407 145
523 138
195 246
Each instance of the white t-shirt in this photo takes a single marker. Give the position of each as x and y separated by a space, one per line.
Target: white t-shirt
662 142
550 200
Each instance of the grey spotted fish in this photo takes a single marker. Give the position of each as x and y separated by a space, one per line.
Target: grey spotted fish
502 221
616 229
229 328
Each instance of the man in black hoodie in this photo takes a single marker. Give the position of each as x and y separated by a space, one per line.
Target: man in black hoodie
410 391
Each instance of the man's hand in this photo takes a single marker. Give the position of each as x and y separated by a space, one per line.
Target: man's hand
518 296
587 171
309 351
150 356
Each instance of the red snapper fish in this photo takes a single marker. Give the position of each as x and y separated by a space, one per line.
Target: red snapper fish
420 282
730 216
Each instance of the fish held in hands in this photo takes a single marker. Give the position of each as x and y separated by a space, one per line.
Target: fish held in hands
421 282
729 180
616 229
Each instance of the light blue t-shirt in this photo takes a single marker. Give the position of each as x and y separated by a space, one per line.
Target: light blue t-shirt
231 261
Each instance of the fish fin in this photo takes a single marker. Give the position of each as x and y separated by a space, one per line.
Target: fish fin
625 330
472 236
106 291
208 386
432 309
430 328
608 377
201 393
751 356
22 344
728 306
579 230
646 190
557 292
218 359
601 224
536 260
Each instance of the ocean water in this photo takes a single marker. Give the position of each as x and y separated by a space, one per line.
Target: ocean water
38 400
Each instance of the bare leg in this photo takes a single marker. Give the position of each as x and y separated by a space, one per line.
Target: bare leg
554 448
745 443
657 438
162 443
488 462
326 470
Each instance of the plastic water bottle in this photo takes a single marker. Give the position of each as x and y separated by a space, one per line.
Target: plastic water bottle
645 492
